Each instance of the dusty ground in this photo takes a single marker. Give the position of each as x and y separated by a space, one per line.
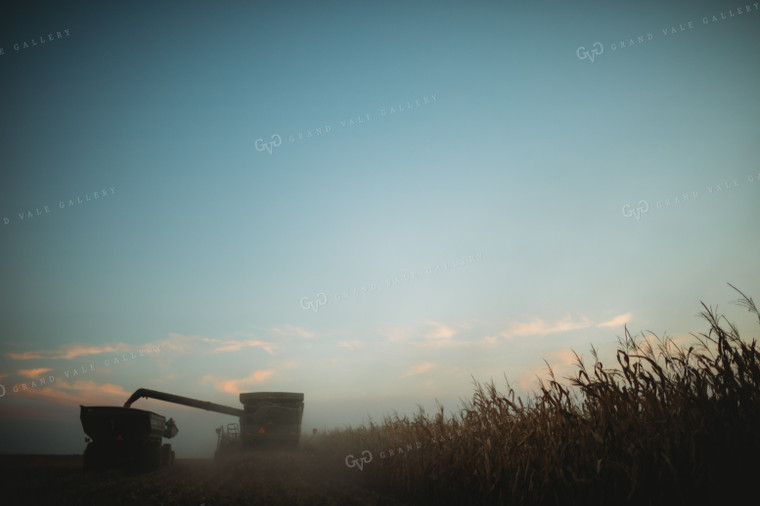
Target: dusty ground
268 478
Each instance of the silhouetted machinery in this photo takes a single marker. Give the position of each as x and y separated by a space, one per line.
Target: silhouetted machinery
126 438
131 438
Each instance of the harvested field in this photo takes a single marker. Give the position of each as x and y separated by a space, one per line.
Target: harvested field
260 478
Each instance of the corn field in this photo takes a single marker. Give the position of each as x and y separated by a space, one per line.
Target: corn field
665 424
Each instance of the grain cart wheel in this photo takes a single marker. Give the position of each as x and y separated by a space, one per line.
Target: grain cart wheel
155 455
167 456
92 457
150 459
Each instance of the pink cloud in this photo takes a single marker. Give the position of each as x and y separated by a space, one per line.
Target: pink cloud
235 386
182 344
69 351
539 327
418 369
33 373
186 344
440 331
489 341
289 330
85 393
428 335
251 343
617 321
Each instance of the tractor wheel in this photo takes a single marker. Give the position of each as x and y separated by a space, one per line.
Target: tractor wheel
92 457
150 460
167 456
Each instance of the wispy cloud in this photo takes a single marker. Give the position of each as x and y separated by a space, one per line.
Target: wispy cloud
235 386
290 364
186 344
290 330
182 344
489 341
226 346
69 351
429 334
354 344
79 393
617 321
539 327
418 369
440 331
33 373
441 336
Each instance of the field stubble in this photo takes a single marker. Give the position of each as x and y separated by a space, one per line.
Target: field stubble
258 478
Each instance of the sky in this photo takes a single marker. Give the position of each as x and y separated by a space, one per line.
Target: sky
373 203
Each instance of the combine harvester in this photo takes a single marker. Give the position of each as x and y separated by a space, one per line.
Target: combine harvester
129 438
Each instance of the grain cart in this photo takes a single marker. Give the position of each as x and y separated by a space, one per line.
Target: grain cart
267 420
127 439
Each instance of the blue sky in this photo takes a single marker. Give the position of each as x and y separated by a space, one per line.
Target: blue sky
377 265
